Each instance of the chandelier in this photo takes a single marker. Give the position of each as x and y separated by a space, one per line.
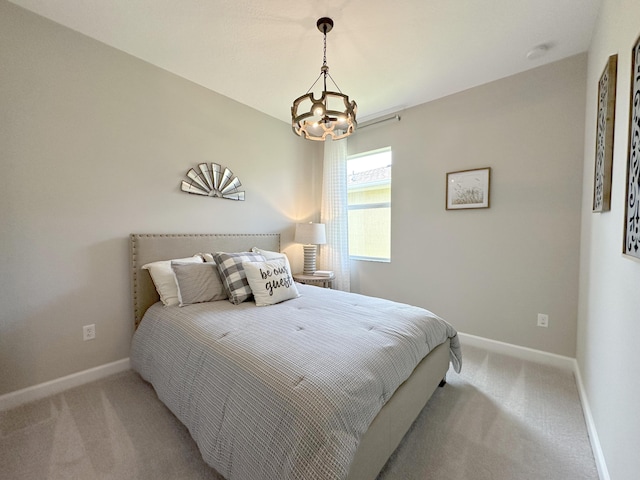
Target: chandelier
330 115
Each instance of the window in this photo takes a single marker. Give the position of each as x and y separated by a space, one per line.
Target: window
369 205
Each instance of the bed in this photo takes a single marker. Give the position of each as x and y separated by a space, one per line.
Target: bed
375 434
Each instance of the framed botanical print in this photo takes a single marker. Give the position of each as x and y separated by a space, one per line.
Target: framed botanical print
468 189
604 136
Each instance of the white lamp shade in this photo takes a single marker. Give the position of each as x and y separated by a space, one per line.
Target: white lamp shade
310 234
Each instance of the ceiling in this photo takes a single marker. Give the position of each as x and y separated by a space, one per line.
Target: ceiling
385 55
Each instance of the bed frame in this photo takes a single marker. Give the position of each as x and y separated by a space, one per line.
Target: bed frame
394 419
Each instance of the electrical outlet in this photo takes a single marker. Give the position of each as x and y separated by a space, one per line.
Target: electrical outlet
89 332
543 320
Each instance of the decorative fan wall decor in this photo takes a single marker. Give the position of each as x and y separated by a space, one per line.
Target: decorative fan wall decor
212 180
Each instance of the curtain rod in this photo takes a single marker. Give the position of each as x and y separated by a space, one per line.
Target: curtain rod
380 120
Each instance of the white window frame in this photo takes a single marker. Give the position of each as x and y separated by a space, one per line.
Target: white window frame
368 206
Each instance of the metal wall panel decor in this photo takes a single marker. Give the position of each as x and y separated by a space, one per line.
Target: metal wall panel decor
604 136
632 197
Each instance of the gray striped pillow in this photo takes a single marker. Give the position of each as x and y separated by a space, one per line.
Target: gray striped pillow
198 282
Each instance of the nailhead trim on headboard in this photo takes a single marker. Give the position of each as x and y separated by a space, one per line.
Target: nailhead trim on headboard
150 247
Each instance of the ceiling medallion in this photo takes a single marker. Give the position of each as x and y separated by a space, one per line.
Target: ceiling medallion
213 181
330 115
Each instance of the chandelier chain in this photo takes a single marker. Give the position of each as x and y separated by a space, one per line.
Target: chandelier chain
324 58
325 69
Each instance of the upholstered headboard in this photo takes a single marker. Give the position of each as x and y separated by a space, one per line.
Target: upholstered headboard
145 248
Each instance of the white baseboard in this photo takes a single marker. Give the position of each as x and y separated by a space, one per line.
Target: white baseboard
551 359
524 353
601 464
36 392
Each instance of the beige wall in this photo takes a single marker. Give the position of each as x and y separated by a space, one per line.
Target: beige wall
95 142
609 313
94 146
491 271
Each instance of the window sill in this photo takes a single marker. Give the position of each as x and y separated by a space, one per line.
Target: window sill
370 259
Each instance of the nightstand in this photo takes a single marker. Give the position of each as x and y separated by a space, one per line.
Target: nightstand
317 280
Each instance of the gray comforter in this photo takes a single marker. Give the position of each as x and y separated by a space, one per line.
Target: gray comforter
286 391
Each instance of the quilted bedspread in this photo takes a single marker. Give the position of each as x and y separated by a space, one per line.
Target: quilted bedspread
286 391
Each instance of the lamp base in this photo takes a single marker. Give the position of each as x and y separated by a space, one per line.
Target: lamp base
309 259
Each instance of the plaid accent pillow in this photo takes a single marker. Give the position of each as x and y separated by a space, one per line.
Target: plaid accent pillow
232 273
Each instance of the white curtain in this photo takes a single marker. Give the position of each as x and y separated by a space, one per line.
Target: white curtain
333 213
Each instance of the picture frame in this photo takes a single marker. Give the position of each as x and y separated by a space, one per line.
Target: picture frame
631 244
468 189
605 126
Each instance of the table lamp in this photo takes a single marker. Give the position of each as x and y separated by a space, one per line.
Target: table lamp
310 235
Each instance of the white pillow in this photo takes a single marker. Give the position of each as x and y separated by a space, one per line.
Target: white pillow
271 281
198 282
272 255
164 279
208 257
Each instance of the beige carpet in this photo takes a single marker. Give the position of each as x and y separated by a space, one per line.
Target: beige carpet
501 418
